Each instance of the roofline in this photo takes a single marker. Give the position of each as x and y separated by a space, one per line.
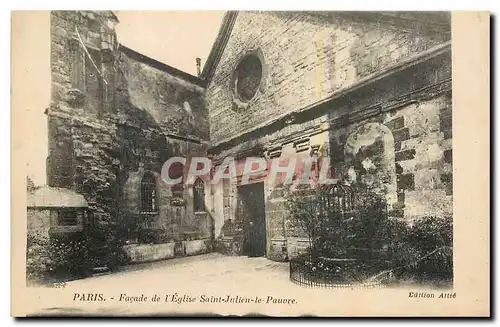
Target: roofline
442 18
230 18
219 45
113 16
432 21
46 207
439 50
161 66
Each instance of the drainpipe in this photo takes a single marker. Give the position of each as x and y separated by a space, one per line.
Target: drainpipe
198 66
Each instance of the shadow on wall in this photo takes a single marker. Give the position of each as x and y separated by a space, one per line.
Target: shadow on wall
143 147
177 106
369 160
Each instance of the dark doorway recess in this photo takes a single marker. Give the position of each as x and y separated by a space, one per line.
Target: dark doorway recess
251 208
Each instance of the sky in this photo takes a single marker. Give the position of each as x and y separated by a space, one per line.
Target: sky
30 91
175 38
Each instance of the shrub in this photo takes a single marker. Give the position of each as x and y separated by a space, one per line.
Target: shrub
399 250
422 251
106 239
366 229
307 216
433 239
57 258
430 233
338 234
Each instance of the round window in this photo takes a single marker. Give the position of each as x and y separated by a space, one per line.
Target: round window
248 76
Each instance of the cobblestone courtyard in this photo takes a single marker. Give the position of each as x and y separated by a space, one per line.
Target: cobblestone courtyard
204 269
196 285
210 276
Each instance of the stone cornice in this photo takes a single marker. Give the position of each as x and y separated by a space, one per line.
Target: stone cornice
161 66
428 92
422 94
109 120
219 46
411 63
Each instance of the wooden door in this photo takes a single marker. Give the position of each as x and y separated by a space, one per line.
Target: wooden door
252 214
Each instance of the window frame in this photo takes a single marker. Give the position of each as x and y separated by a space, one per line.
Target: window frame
77 217
199 205
79 78
241 69
149 184
57 228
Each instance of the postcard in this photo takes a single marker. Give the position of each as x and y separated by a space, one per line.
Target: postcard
250 163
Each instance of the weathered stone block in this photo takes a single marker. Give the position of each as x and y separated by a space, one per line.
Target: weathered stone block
448 156
447 134
401 200
422 203
58 30
277 192
447 180
426 179
149 252
445 123
278 250
405 155
400 135
195 247
406 182
396 123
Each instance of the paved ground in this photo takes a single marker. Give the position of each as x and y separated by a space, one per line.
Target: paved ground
212 276
197 285
207 268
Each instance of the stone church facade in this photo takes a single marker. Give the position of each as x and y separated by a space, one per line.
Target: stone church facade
371 91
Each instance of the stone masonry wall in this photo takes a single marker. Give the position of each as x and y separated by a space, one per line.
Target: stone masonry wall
119 115
82 136
113 117
424 158
421 157
417 118
404 106
174 103
307 57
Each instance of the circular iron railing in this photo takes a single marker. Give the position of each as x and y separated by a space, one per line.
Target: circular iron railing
324 272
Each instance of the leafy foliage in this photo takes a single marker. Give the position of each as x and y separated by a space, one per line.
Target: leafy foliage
338 234
422 251
306 216
428 254
56 258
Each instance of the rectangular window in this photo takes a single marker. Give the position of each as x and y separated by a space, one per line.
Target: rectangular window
93 80
148 193
77 62
227 198
86 73
199 196
69 216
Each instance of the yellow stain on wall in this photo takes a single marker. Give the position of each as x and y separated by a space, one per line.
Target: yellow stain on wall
319 69
321 138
